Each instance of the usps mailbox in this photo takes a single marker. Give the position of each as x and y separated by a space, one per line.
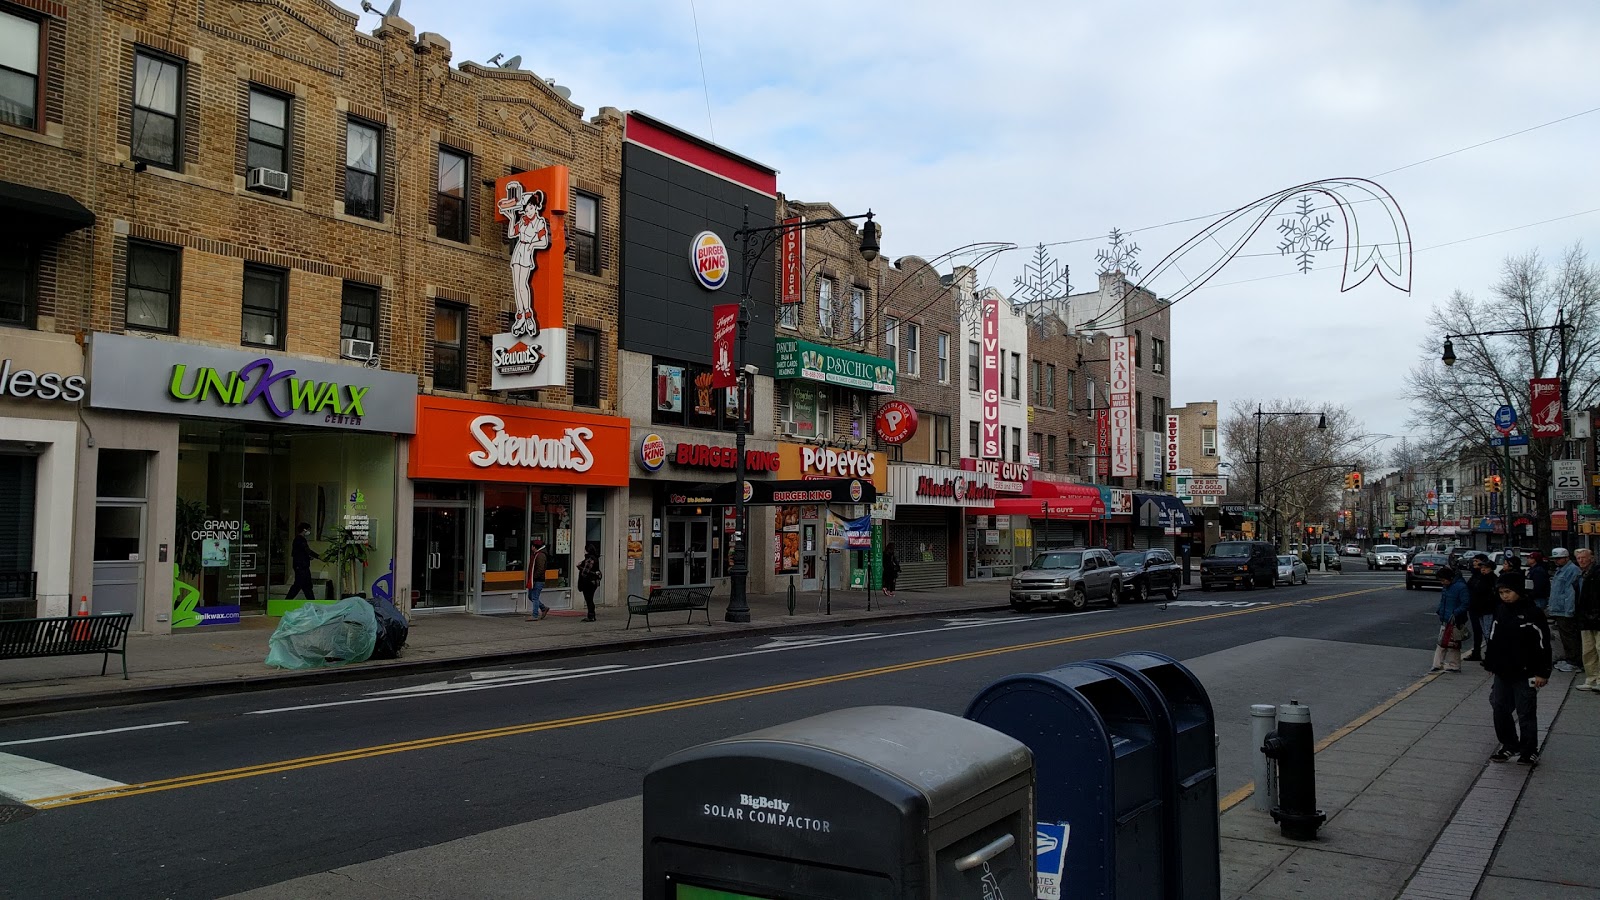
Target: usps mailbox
872 802
1194 840
1099 765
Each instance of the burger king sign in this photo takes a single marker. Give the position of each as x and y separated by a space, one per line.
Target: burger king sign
708 256
652 452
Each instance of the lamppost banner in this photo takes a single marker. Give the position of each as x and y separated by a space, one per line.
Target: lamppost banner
1544 407
724 321
1121 389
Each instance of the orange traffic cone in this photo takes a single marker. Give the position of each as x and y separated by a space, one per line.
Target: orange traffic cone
80 630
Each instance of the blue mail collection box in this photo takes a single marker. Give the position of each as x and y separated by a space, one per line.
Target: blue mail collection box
1100 764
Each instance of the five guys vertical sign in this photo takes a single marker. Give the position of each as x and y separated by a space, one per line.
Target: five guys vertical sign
1121 389
991 378
791 259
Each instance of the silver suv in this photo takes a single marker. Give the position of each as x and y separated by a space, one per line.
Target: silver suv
1074 577
1386 556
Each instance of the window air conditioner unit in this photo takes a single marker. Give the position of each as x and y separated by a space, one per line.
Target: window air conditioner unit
350 348
267 180
1156 368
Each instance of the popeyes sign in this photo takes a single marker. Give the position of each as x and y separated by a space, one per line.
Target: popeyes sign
465 440
807 461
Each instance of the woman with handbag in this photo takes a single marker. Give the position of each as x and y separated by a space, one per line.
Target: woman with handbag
1453 601
589 577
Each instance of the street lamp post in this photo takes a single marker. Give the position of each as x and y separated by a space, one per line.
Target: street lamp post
762 239
1261 416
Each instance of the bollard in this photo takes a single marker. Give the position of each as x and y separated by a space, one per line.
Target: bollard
791 595
1290 744
1263 717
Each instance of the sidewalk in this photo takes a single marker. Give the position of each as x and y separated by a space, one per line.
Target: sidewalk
1415 810
226 659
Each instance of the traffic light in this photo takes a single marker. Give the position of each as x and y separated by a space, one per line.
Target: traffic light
1492 484
1355 481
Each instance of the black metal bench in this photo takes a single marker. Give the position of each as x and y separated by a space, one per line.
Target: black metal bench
68 636
669 600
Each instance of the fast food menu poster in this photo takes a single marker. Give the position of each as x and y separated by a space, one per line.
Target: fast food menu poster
786 540
669 388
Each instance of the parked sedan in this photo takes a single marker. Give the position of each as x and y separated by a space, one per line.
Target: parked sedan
1423 570
1320 552
1350 550
1292 570
1148 572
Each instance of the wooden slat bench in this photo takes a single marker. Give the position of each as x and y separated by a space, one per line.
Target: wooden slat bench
669 600
67 636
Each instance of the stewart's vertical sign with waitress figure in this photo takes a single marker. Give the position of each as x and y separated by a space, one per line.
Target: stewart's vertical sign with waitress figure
533 354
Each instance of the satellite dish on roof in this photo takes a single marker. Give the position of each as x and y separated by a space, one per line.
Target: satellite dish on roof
514 62
561 90
393 10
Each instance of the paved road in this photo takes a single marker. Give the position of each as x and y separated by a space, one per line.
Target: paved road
209 797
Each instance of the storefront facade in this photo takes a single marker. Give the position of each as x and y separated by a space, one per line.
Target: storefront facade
928 525
41 382
206 462
800 530
487 478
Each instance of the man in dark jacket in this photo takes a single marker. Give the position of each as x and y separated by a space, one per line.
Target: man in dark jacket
1538 580
1517 651
1588 616
1481 602
300 557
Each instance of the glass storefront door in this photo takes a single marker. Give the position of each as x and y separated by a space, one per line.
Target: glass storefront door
440 555
688 562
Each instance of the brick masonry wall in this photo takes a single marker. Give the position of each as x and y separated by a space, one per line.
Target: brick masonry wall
913 292
310 51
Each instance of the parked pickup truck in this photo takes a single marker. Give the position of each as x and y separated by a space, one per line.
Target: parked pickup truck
1386 556
1073 577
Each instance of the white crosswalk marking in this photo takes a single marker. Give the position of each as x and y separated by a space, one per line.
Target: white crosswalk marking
27 779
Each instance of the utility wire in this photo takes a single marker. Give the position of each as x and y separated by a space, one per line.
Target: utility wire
705 84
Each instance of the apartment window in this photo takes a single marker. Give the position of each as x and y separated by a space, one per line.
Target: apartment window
1138 408
19 71
583 238
1072 456
851 405
789 315
1002 443
1138 348
913 349
891 340
269 131
363 153
1050 385
683 396
974 380
157 87
1158 415
1208 442
972 439
858 313
825 307
1088 392
17 265
1036 446
806 410
358 312
585 367
1049 453
151 299
1016 376
1016 445
944 358
450 200
1158 355
1072 390
941 440
449 347
265 292
1035 381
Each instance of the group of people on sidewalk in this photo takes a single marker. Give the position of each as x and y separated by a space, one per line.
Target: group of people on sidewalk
1508 615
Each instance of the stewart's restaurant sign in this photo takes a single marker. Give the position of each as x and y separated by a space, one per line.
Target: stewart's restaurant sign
149 375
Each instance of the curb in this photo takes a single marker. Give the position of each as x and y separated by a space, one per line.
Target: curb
16 709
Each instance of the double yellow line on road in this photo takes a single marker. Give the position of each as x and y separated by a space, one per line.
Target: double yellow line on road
360 753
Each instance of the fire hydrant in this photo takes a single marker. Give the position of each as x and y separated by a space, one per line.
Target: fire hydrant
1290 745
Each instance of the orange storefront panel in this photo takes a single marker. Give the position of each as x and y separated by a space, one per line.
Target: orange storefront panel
465 440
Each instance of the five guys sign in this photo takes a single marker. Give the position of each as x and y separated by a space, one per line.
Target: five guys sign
991 379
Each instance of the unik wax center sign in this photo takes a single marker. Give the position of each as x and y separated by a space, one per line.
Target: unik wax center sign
533 354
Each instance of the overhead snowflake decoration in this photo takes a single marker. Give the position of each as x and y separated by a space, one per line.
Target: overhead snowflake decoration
1042 291
969 309
1119 257
1305 236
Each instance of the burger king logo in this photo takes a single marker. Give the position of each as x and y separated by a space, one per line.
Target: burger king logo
855 492
652 452
749 491
709 257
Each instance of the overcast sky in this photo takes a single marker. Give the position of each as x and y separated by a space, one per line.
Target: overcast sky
1055 121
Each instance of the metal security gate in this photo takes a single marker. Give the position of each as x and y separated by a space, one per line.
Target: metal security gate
921 538
1057 533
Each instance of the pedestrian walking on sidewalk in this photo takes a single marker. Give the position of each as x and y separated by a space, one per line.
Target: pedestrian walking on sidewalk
589 576
891 568
1588 618
538 562
1517 651
300 557
1452 622
1563 608
1481 601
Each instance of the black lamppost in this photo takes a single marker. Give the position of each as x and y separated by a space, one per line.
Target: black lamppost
762 239
1561 327
1261 415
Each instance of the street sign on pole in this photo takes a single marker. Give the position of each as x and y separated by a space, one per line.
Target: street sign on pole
1505 419
1567 479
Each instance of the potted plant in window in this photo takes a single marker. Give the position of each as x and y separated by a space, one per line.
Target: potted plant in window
348 556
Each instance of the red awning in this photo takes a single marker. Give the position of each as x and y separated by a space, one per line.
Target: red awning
1064 501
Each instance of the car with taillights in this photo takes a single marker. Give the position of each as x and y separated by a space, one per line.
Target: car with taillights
1423 570
1073 577
1386 556
1149 572
1350 550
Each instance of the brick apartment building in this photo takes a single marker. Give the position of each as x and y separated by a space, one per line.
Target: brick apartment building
261 189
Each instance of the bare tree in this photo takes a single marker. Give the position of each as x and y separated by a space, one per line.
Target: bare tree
1455 405
1302 466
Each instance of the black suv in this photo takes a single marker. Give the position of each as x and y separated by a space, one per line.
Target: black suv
1246 564
1149 572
